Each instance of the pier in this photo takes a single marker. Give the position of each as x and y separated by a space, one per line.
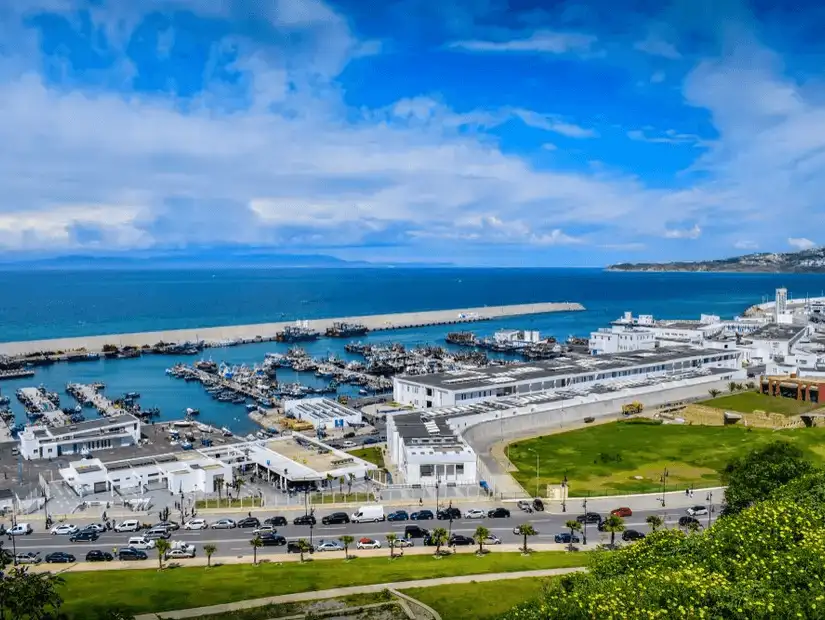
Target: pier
267 331
37 404
88 394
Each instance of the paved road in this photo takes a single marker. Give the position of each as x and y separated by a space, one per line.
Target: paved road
234 542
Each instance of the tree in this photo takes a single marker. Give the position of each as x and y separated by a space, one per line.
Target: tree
256 543
209 550
162 546
438 537
219 482
574 526
391 538
238 485
303 547
525 530
346 540
750 385
693 526
480 537
655 522
341 484
30 596
350 480
613 524
732 386
714 393
754 476
329 480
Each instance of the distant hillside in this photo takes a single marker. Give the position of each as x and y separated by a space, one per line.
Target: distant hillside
806 261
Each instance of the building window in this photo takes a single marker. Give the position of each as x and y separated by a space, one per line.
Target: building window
459 469
426 471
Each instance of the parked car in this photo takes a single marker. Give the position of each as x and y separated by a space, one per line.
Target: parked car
525 505
398 515
277 521
264 529
293 547
272 540
224 524
172 526
631 535
498 513
370 440
335 518
368 543
128 553
413 531
64 529
249 522
589 517
564 538
448 513
181 553
422 515
94 527
622 512
304 520
329 545
140 542
21 529
84 536
60 557
492 539
475 513
686 521
28 557
157 533
538 505
403 542
96 555
196 524
460 540
129 525
697 511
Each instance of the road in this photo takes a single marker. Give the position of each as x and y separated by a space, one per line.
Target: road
235 542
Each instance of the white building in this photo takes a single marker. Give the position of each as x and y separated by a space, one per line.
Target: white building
781 302
516 336
774 342
427 451
323 413
617 339
48 442
473 385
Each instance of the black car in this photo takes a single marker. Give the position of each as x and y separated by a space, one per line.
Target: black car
459 539
335 518
413 531
293 547
84 536
273 540
304 520
249 522
96 555
686 521
448 513
422 515
631 535
398 515
498 513
538 505
275 521
172 526
589 517
60 557
128 553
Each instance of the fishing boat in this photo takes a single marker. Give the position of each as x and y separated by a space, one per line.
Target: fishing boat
341 329
190 411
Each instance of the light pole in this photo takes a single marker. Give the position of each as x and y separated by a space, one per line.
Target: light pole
709 499
564 494
437 485
664 485
584 528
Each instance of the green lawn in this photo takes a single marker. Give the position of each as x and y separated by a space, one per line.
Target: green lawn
89 594
748 402
606 459
480 601
371 454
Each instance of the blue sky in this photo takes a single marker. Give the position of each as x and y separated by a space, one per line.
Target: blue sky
478 132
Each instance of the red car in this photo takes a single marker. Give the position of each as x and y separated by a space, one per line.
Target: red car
622 512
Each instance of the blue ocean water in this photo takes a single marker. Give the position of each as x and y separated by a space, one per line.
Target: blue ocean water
50 304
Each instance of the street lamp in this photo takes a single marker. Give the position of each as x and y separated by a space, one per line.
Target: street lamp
451 519
564 494
665 474
709 499
584 529
437 485
311 527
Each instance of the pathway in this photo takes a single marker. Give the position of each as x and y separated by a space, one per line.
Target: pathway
339 592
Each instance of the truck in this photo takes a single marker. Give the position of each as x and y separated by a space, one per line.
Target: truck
367 514
632 408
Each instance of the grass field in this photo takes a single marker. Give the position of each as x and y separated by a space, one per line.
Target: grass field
748 402
371 454
89 594
606 459
480 601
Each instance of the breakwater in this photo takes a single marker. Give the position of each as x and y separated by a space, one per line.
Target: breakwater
267 331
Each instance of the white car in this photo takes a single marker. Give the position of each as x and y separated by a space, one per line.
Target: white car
329 545
265 529
64 529
130 525
29 557
180 553
223 524
475 513
368 543
697 511
140 542
400 543
20 529
94 527
492 539
196 524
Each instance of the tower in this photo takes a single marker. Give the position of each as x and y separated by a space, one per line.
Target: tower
781 305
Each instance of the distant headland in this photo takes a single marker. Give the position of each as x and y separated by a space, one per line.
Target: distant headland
806 261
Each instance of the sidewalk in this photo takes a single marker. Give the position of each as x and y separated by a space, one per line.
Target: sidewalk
338 592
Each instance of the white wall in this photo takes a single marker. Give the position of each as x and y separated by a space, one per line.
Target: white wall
445 466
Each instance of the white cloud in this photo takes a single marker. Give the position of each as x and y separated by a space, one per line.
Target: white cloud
549 146
669 136
544 41
657 77
683 233
551 123
801 243
656 46
746 244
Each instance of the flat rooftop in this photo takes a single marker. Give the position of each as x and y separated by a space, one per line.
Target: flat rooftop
493 376
773 331
421 429
321 409
89 425
307 454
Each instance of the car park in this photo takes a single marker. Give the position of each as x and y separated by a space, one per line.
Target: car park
697 511
223 524
460 540
329 545
335 518
413 531
276 521
422 515
368 543
525 505
157 533
622 512
498 513
129 553
140 542
60 557
448 513
84 536
21 529
96 555
272 540
28 557
589 517
401 543
492 539
475 513
196 524
64 529
293 547
129 525
565 538
304 520
631 535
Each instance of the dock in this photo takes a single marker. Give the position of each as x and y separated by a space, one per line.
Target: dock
88 394
267 331
37 402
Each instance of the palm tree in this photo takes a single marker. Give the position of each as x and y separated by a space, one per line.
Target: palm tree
574 526
209 550
219 482
714 393
256 543
391 538
438 537
341 484
750 385
655 522
238 484
346 540
732 386
613 524
329 481
303 547
525 530
163 547
350 480
480 536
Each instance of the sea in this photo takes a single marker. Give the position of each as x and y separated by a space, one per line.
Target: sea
52 304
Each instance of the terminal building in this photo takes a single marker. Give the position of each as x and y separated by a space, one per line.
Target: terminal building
473 385
323 413
49 442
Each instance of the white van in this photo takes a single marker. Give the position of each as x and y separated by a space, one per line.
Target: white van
368 513
140 542
20 529
130 525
